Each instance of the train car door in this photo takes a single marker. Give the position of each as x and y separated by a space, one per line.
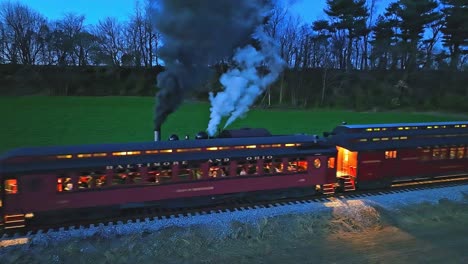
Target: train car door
38 191
390 165
346 164
11 210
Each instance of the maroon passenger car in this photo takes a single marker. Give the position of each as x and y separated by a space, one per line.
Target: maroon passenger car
380 154
55 182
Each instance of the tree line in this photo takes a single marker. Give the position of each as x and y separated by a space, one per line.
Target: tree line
406 36
29 38
409 35
355 53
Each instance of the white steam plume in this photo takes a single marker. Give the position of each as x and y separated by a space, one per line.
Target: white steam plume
243 84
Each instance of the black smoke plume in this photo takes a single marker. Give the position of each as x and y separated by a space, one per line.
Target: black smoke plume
197 34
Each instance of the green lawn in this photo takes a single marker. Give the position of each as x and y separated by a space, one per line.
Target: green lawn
39 121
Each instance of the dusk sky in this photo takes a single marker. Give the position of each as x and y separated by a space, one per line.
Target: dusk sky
94 10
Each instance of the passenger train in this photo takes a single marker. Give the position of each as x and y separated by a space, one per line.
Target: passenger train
53 183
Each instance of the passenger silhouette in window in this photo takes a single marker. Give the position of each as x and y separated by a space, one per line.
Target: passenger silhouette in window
243 172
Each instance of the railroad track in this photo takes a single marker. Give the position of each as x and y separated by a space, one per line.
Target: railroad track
136 215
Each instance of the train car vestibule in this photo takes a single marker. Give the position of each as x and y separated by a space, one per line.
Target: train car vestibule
346 164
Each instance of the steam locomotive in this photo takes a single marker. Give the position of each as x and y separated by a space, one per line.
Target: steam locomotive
68 181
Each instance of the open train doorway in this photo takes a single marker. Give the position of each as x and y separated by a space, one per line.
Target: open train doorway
346 168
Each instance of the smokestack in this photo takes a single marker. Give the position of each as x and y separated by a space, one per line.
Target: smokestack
157 134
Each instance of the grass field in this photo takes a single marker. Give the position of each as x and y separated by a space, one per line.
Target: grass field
40 121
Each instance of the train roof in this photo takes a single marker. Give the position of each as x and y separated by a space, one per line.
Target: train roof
401 126
167 146
398 136
101 163
68 157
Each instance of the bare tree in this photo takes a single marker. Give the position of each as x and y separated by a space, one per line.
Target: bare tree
141 40
429 43
22 32
288 41
276 21
110 38
66 39
3 43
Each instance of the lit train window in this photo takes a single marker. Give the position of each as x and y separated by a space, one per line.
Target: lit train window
64 184
134 175
426 154
466 153
85 181
153 174
64 156
241 168
331 163
436 154
11 186
126 176
443 153
100 179
93 179
272 166
252 168
218 169
245 168
302 164
224 148
83 155
120 176
189 150
184 173
317 163
460 152
453 153
189 172
390 154
197 174
297 165
159 174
